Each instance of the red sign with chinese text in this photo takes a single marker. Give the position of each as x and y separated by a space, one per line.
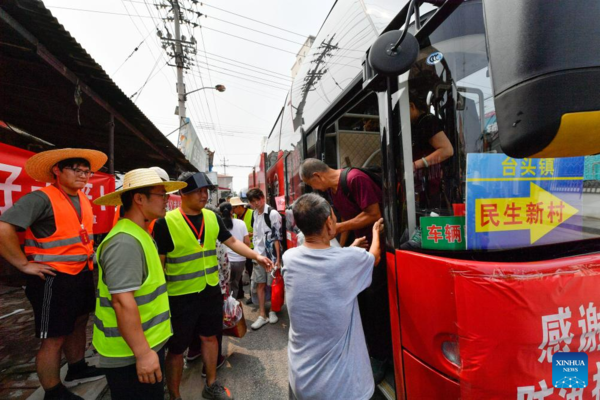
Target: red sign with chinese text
15 183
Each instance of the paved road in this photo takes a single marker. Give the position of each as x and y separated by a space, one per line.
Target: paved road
256 367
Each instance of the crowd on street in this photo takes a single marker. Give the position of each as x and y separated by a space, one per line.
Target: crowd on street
165 277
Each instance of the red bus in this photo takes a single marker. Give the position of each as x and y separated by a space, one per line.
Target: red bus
492 253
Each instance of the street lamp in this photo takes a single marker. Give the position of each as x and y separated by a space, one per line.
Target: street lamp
218 88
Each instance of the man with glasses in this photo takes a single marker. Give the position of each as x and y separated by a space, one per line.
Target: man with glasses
132 322
57 260
187 242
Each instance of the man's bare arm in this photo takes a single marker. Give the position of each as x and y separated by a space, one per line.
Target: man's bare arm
375 248
130 326
11 251
365 219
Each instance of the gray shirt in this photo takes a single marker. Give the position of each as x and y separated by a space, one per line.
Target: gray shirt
328 356
35 210
124 269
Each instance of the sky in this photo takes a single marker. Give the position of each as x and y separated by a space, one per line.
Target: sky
249 46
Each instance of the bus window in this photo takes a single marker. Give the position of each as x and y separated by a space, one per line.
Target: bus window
453 115
331 146
354 139
311 144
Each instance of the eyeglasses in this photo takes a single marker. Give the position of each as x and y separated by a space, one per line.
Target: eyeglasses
165 196
82 172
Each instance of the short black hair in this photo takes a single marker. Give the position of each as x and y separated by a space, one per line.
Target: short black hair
255 194
310 213
127 197
72 163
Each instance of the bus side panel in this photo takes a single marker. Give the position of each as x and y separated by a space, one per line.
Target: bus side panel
392 276
423 382
428 309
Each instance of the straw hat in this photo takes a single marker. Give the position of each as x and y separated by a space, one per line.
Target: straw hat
136 179
39 167
236 201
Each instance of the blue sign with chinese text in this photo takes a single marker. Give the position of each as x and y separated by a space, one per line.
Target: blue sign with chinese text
522 202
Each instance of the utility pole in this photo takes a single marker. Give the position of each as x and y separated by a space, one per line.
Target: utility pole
225 166
178 47
179 62
325 51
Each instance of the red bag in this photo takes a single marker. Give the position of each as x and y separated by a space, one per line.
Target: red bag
277 291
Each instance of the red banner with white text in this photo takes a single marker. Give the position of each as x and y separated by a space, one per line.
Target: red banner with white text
15 183
511 325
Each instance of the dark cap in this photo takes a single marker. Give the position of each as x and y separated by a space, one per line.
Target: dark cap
197 181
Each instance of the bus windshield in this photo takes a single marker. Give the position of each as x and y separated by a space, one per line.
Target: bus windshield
460 170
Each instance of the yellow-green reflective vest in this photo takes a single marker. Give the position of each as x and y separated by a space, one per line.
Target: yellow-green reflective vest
151 298
189 267
248 221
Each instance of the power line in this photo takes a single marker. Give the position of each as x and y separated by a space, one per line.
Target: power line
254 30
244 64
254 20
241 16
241 73
132 53
248 40
250 80
96 11
246 67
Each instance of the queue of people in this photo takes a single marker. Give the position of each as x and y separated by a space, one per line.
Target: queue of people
162 278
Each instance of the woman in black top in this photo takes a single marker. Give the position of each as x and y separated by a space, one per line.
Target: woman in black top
430 147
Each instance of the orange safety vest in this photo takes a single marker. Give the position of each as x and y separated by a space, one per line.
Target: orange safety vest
118 217
64 249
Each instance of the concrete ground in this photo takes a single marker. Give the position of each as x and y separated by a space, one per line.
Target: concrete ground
256 366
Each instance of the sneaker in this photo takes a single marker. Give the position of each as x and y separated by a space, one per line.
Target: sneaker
216 391
273 317
379 368
88 373
249 301
61 393
259 323
220 362
193 354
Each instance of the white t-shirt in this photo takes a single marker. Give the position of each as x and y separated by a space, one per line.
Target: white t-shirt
239 231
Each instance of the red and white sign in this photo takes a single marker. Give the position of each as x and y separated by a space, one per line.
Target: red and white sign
15 183
510 325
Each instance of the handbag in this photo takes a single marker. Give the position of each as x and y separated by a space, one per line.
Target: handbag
277 291
239 329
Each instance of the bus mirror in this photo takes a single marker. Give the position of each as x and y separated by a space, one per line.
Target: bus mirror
389 62
544 57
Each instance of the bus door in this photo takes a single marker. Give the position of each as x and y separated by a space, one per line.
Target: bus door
433 118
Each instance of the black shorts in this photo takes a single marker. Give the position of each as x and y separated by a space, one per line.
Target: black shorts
59 300
193 315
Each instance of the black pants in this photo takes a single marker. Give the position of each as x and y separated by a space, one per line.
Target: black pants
374 309
125 385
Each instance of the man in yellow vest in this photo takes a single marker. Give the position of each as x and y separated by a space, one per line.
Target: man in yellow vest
244 212
187 241
132 322
58 223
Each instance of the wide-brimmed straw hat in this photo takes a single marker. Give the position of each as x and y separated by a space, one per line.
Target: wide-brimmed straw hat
236 201
136 179
39 167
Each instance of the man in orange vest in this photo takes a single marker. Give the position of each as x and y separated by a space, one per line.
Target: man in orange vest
58 223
